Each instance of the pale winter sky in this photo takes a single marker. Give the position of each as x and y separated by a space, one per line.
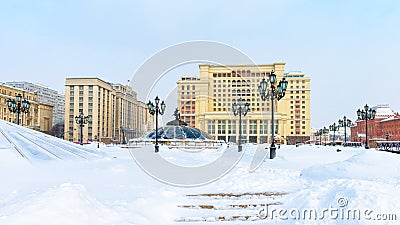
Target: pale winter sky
350 49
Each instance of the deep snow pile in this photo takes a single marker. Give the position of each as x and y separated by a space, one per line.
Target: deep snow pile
114 190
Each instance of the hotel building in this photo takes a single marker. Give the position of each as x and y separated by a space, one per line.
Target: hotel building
218 87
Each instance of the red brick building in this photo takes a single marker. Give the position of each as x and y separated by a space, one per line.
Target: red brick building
386 122
391 127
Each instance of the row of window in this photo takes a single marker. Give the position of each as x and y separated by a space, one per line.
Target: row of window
188 87
252 80
232 126
80 87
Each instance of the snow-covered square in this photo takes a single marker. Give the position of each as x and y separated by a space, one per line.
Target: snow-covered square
107 186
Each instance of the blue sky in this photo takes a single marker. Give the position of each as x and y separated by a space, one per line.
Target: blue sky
350 49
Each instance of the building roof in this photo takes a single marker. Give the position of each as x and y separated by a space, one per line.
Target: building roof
390 119
383 111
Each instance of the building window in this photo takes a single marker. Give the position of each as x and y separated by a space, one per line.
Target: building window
244 125
211 126
253 126
232 127
221 126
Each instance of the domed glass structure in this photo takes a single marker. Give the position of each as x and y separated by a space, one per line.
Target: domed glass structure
177 132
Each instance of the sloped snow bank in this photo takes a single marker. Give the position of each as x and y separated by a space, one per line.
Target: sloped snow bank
366 165
65 204
346 201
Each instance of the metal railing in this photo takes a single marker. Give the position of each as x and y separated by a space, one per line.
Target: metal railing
390 146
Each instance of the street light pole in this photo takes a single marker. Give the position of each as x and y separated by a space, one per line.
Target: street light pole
274 92
344 123
155 110
334 128
325 131
18 106
123 129
366 114
81 120
319 133
240 109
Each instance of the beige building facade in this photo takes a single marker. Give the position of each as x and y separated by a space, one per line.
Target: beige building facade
39 117
187 98
218 87
114 111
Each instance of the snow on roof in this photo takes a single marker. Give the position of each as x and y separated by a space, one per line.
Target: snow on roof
383 111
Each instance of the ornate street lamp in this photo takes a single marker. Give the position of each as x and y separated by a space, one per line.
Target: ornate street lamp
344 123
81 120
155 110
123 129
240 109
320 132
334 128
18 106
274 92
325 131
366 114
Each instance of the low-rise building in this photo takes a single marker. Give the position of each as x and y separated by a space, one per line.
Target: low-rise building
46 96
40 115
384 123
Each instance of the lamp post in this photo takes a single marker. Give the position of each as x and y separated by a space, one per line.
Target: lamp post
240 109
155 110
81 120
323 132
123 129
18 106
326 131
274 92
319 133
366 114
344 123
334 128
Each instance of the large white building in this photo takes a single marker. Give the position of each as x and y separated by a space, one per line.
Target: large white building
114 111
45 95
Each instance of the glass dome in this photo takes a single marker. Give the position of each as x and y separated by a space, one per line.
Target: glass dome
178 132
